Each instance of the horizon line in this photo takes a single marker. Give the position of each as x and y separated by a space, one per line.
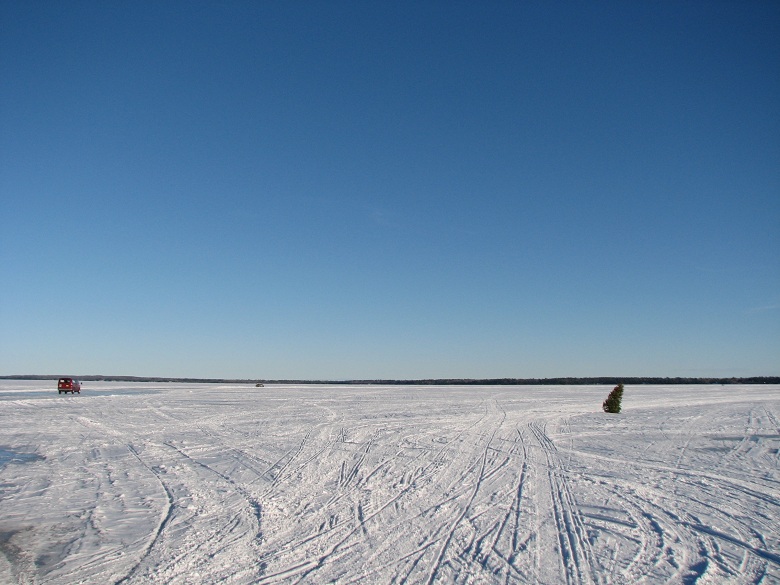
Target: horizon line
504 381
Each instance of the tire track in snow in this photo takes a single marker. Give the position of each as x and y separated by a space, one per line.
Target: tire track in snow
436 567
214 545
306 568
512 519
252 502
735 512
167 511
576 555
413 483
346 477
288 459
243 459
165 519
241 524
676 544
756 555
657 537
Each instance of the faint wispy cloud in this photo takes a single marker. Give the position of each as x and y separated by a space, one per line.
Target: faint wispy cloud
383 218
763 309
712 269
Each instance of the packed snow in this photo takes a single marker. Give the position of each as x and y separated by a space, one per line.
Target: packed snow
131 483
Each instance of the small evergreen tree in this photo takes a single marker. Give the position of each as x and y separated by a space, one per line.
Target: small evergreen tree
612 403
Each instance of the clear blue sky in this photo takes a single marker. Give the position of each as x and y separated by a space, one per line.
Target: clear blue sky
390 189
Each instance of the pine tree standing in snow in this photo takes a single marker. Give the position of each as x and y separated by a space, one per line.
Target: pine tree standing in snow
612 403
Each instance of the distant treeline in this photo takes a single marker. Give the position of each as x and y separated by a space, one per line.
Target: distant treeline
606 380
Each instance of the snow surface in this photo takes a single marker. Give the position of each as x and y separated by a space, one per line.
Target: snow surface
174 483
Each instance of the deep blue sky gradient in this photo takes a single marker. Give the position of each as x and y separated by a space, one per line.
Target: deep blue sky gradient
401 189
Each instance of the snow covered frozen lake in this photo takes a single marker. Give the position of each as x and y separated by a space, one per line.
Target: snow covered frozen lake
133 483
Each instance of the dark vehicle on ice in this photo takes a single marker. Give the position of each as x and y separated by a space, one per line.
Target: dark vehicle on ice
68 385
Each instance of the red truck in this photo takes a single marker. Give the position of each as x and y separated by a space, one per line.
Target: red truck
68 385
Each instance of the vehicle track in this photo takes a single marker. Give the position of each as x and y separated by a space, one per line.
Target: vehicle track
365 510
199 539
164 520
683 535
576 555
512 522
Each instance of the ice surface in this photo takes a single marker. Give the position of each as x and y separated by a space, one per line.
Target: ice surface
175 483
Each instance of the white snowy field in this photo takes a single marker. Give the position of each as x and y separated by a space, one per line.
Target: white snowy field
175 483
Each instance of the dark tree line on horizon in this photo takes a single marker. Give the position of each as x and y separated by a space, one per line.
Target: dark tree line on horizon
571 381
584 381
